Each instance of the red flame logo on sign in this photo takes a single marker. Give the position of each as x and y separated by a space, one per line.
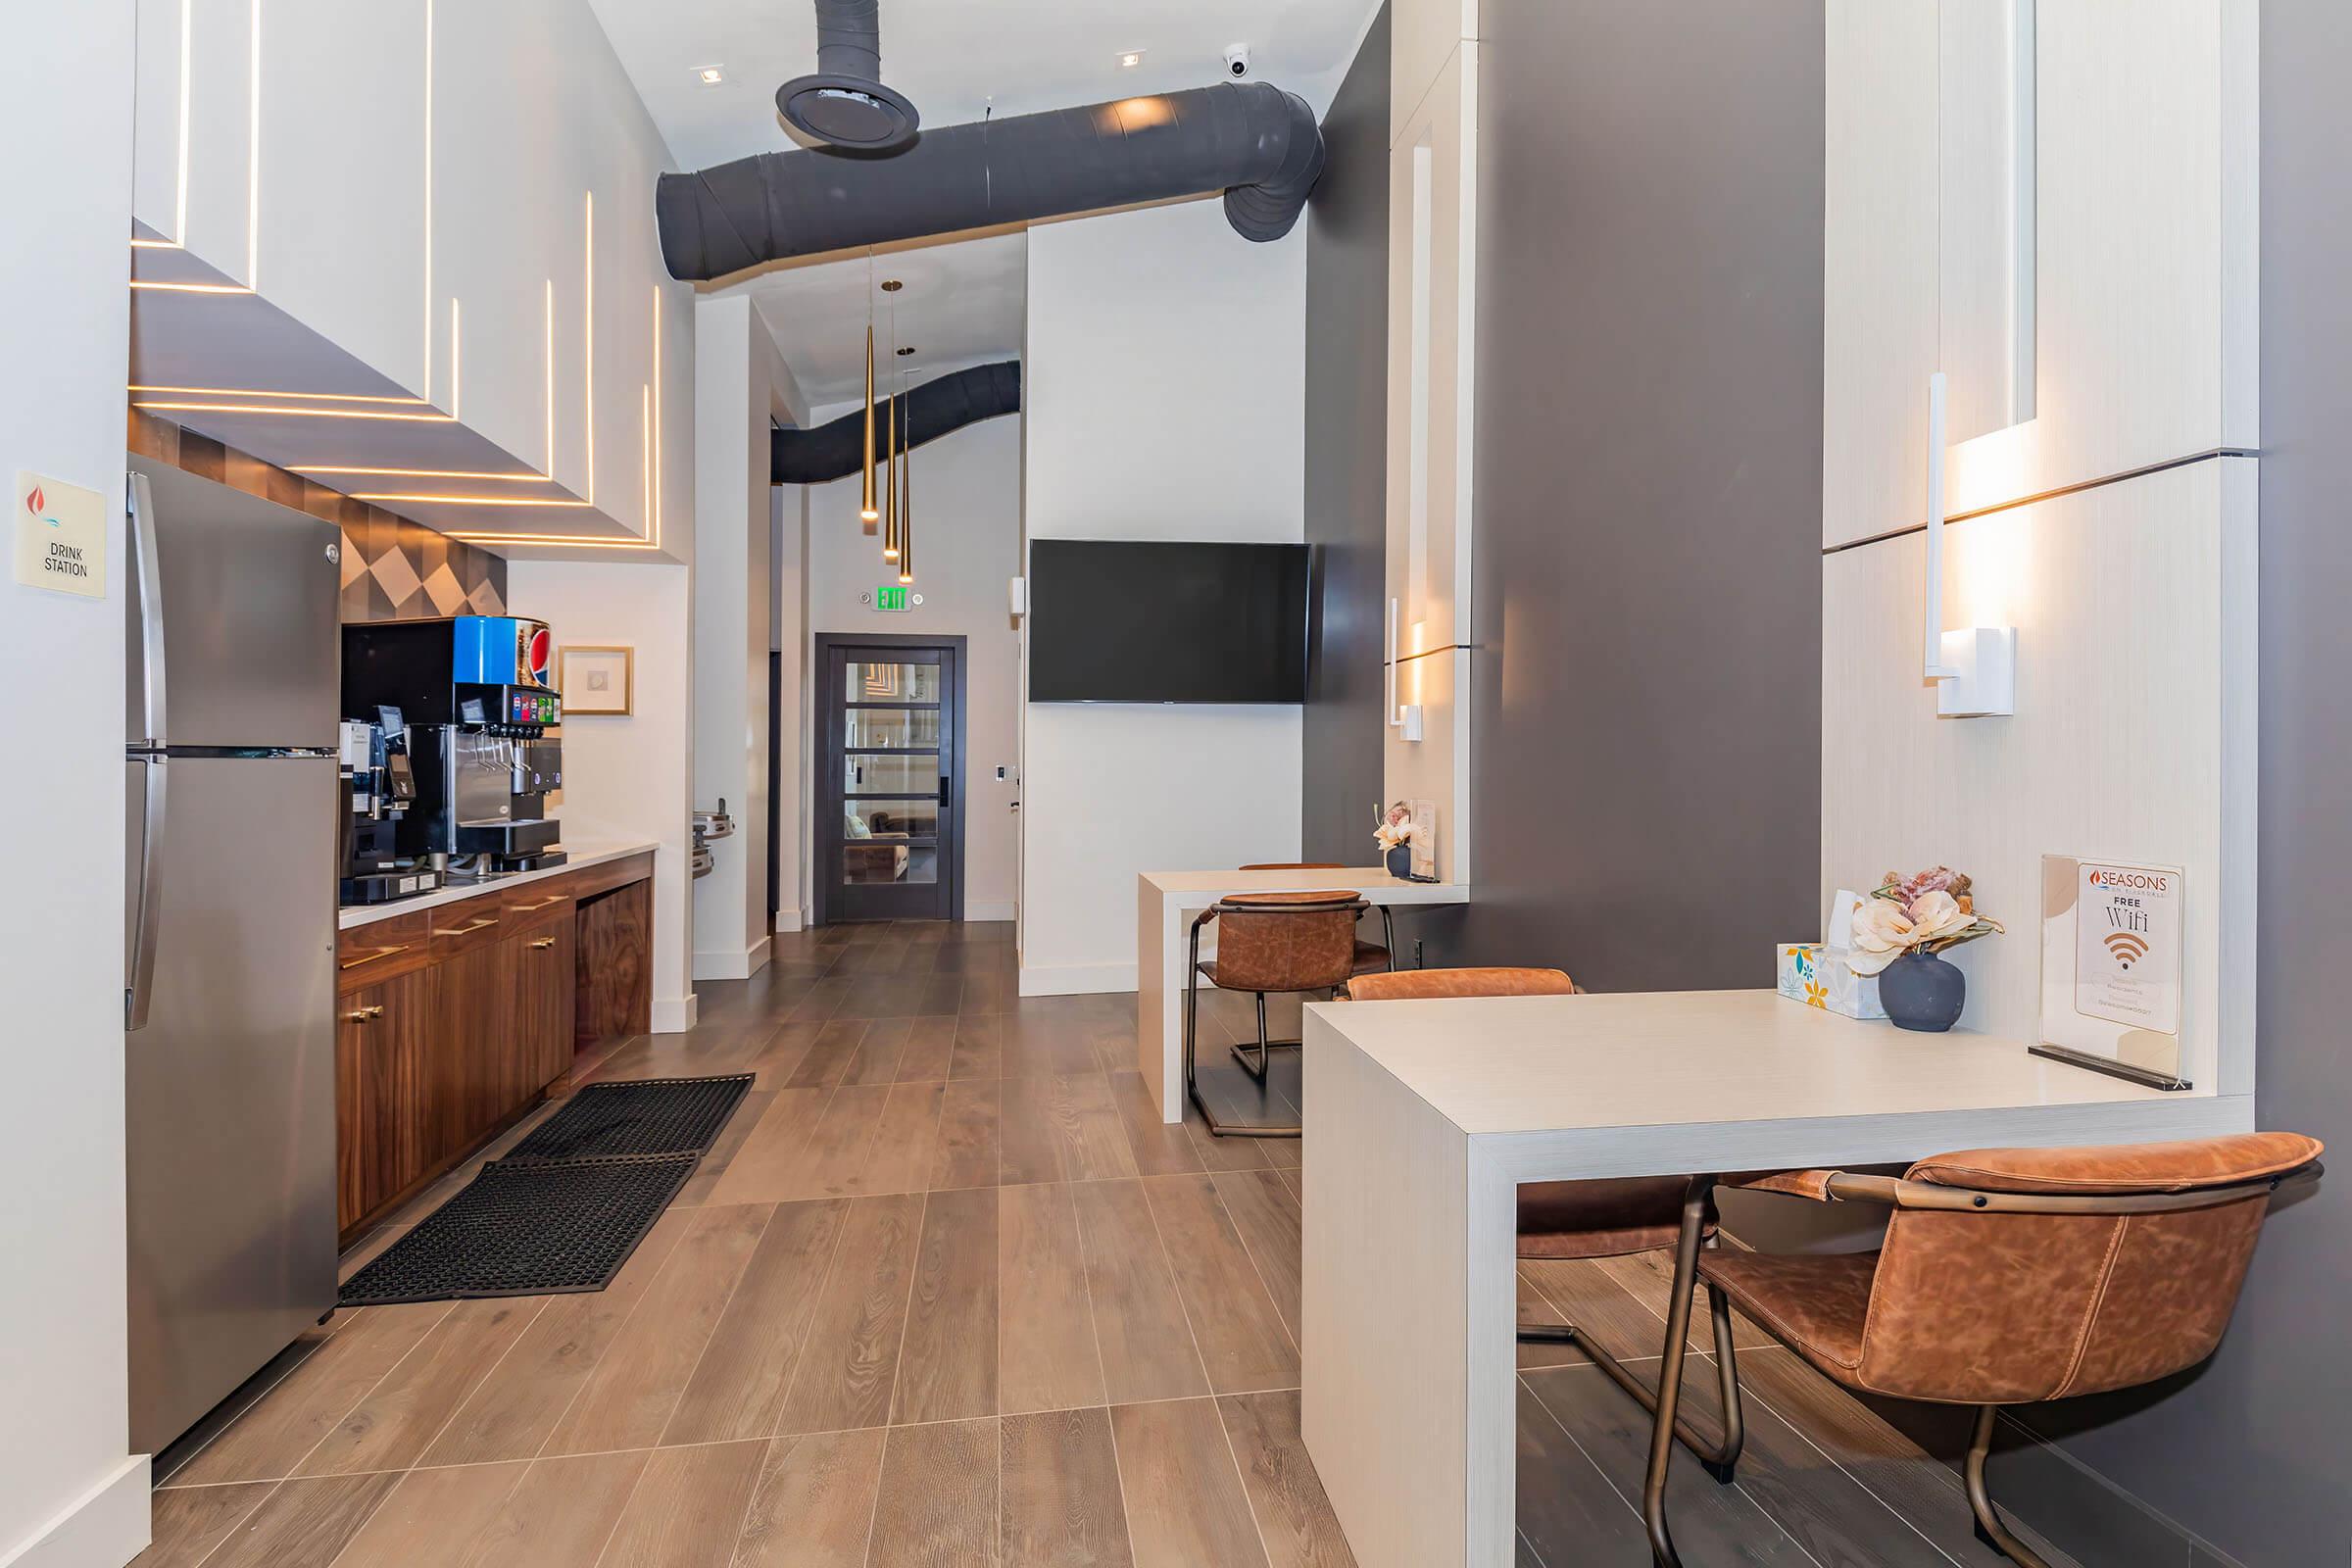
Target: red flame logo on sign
34 501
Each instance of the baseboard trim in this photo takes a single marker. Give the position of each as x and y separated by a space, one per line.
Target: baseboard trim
108 1527
2071 1506
675 1015
1076 979
734 965
790 920
992 909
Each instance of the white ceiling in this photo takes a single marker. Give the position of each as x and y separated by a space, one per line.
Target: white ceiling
963 304
950 57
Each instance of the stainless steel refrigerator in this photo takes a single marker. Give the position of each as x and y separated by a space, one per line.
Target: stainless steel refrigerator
229 940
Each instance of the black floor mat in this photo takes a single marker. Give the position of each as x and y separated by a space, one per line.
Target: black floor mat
531 1228
647 1117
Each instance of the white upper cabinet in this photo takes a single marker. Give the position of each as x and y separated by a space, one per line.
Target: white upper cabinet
2050 201
439 209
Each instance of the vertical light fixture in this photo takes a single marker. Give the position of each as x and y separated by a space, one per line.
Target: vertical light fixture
889 486
905 502
866 506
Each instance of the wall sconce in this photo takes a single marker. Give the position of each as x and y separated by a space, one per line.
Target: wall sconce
1406 718
1975 669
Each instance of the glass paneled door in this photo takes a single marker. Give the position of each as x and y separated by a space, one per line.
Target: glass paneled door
890 779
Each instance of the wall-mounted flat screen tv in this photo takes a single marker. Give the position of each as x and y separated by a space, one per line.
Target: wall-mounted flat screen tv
1118 620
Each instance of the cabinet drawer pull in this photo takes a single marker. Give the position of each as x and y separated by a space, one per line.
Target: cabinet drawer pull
371 958
363 1015
543 903
544 943
470 929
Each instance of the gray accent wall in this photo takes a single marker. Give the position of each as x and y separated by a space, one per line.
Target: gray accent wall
2249 1451
1346 458
1646 601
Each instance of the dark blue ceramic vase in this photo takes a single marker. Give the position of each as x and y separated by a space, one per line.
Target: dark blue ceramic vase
1400 862
1922 992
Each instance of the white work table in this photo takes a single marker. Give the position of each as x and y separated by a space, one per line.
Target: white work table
1423 1117
580 857
1166 902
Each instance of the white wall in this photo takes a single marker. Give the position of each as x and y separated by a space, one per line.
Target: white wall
631 778
741 383
1164 383
787 639
65 121
967 542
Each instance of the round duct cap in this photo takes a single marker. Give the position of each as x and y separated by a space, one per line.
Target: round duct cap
847 112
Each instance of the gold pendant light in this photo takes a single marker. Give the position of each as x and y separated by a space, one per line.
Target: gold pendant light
890 483
907 512
866 511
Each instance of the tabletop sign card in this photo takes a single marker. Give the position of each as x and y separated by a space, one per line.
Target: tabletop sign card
2111 965
61 536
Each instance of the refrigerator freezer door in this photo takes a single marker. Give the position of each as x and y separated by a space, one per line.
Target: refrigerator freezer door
233 616
231 1083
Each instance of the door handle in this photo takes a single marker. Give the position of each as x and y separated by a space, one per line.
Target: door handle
471 928
947 790
139 986
148 581
543 903
544 943
363 1015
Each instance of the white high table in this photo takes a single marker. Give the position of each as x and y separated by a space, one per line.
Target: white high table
1166 902
1422 1118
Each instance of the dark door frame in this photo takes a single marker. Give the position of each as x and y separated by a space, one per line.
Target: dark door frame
826 772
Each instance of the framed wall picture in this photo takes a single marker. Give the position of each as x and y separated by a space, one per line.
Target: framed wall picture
597 680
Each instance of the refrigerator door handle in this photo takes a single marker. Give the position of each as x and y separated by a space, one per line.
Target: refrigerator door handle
146 553
147 901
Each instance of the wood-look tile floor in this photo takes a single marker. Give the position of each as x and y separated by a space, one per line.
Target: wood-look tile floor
947 1294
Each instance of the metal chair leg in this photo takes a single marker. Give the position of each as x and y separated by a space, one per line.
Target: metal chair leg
1990 1529
1670 1374
1720 1460
1256 1067
1191 1038
1388 935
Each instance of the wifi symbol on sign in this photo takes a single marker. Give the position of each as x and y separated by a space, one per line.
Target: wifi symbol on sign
2127 947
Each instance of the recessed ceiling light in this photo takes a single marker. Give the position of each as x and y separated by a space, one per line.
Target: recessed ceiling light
1131 59
709 75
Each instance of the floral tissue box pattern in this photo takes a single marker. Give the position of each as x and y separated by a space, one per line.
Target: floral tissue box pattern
1819 976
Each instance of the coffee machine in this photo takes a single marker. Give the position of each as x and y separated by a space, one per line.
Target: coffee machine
476 703
379 787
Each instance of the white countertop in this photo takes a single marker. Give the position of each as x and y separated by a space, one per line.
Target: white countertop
579 855
1530 1064
1198 890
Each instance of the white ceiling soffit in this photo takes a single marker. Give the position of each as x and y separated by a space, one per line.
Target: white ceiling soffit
953 57
963 304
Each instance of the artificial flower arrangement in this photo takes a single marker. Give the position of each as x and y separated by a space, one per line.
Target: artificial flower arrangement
1922 913
1396 829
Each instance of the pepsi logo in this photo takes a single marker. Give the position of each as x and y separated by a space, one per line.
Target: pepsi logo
539 654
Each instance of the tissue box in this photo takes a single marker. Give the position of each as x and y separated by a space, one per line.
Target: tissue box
1819 976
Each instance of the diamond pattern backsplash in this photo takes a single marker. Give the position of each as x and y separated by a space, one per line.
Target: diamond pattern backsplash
392 568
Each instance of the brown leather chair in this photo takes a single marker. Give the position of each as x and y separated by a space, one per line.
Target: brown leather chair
1266 942
1608 1218
1369 955
2008 1276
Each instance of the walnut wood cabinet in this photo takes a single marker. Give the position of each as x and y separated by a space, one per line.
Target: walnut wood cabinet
452 1022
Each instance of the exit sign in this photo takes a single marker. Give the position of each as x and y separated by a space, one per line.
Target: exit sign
891 596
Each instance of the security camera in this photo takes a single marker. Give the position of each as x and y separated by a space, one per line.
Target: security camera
1237 62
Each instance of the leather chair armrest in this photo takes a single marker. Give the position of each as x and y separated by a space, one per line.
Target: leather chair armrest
1812 1184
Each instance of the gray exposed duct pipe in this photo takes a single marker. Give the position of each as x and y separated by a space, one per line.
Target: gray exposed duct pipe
849 38
1255 142
843 104
937 408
